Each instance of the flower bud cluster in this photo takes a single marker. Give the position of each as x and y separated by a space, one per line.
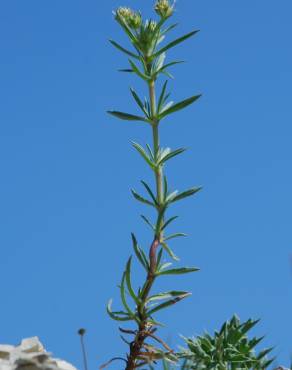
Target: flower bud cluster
164 9
152 26
132 18
147 36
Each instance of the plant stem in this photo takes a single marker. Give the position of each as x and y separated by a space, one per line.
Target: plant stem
137 344
83 352
156 144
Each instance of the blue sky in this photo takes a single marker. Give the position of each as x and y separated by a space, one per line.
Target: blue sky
66 212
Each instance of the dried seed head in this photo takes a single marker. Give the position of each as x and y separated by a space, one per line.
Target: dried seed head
132 18
164 9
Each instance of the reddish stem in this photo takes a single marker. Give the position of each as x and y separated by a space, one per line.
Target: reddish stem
143 333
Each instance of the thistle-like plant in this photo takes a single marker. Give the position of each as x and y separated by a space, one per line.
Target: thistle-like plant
147 60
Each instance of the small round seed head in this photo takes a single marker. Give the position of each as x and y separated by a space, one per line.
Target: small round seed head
81 331
132 18
164 9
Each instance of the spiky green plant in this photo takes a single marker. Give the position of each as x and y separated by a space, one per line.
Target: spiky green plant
229 348
147 60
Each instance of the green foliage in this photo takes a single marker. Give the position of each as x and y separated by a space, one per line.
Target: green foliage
126 116
176 107
228 348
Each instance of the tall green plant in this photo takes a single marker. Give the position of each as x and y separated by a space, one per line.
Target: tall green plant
147 60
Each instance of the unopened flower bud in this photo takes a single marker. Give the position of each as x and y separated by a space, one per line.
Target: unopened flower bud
163 8
132 18
152 26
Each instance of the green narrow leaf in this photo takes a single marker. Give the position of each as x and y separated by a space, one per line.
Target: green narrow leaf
119 47
115 315
126 70
169 28
267 363
171 302
159 63
138 101
150 152
162 152
128 281
167 74
166 295
168 222
186 194
159 39
172 236
138 72
171 196
248 325
140 253
165 265
169 251
163 69
178 106
162 96
124 300
147 106
148 222
178 271
159 256
255 341
167 96
166 106
126 116
144 155
175 42
165 187
141 199
263 353
150 192
170 155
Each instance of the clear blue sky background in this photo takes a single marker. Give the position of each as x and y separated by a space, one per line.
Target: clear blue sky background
66 168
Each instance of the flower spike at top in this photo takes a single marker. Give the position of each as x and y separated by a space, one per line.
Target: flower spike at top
132 18
164 9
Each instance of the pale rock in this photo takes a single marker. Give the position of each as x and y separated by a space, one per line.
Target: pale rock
4 365
63 365
31 345
30 355
5 350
